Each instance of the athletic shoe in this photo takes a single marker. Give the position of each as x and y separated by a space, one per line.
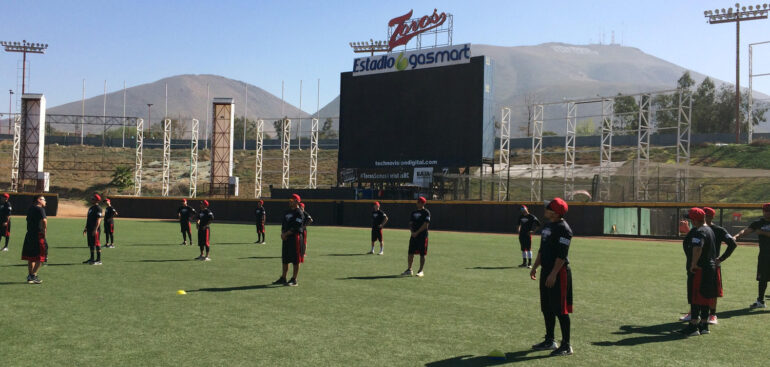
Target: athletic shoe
98 262
564 350
206 258
546 345
89 262
371 252
690 330
757 304
685 317
419 274
5 248
381 253
292 282
36 280
703 328
713 319
523 265
263 242
257 242
29 278
529 266
198 258
407 272
280 280
183 243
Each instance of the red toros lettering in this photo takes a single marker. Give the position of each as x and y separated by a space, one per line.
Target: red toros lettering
404 32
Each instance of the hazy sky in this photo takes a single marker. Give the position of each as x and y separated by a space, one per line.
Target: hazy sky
265 42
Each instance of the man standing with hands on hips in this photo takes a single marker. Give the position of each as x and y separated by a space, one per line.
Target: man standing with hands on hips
528 223
555 278
93 222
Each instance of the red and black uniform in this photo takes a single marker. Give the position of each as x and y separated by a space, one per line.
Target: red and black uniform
35 246
293 248
261 214
306 220
109 224
702 284
205 217
186 214
419 244
5 221
378 217
554 244
94 213
763 260
721 235
526 223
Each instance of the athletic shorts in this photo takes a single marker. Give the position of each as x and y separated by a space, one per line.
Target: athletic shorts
376 234
5 231
763 267
204 234
261 228
557 299
184 225
719 282
697 297
418 245
109 227
293 250
526 242
35 247
93 241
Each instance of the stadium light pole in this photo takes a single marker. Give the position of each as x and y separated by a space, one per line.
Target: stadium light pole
371 46
10 109
737 15
24 48
149 119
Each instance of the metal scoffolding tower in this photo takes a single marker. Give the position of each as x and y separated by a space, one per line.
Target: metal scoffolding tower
569 151
505 153
166 155
536 167
222 180
194 158
286 149
642 171
258 166
139 152
313 183
16 151
605 151
683 143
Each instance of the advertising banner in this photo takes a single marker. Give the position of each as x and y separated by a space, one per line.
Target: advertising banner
412 60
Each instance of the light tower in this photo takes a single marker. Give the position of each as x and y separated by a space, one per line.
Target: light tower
24 48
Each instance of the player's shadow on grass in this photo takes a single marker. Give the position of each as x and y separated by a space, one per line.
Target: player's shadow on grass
491 267
650 334
740 312
373 277
471 361
25 265
259 257
160 260
241 288
347 254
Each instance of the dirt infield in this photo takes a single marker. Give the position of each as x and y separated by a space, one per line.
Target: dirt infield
72 209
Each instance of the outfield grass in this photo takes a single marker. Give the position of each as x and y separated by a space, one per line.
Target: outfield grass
352 309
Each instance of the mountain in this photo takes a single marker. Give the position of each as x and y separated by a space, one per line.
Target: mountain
186 98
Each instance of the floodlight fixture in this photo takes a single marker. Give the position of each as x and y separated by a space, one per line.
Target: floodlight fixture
24 48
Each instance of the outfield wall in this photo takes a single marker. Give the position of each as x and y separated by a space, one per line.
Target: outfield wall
586 219
21 201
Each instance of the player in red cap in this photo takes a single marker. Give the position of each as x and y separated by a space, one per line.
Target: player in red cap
261 215
35 249
205 217
528 224
186 214
702 283
109 224
92 230
379 218
555 278
5 219
306 221
720 235
418 242
762 228
293 247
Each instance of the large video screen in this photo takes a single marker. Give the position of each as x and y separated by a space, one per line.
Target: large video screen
394 122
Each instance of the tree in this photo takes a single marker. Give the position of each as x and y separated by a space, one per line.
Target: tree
122 177
627 113
326 131
585 127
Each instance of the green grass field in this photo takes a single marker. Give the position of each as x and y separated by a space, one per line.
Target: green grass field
352 309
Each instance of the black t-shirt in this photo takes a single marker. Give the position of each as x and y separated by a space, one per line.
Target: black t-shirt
764 241
293 220
418 218
5 211
306 218
527 222
554 243
702 237
185 213
378 217
34 215
260 213
721 235
109 213
204 218
94 213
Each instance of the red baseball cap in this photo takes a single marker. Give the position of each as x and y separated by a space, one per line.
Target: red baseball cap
184 200
205 202
523 207
296 198
261 201
765 207
709 211
421 200
376 203
97 197
696 214
302 205
5 195
106 200
558 206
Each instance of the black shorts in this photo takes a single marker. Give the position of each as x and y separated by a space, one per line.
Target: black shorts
557 299
260 227
93 241
35 247
763 267
418 245
525 241
184 225
376 234
293 250
109 227
204 234
5 231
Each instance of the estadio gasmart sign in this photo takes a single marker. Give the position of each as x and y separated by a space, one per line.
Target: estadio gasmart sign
418 59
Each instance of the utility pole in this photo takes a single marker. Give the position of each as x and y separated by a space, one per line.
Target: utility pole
10 110
24 48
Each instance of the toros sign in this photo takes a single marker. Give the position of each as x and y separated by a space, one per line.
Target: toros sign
405 30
